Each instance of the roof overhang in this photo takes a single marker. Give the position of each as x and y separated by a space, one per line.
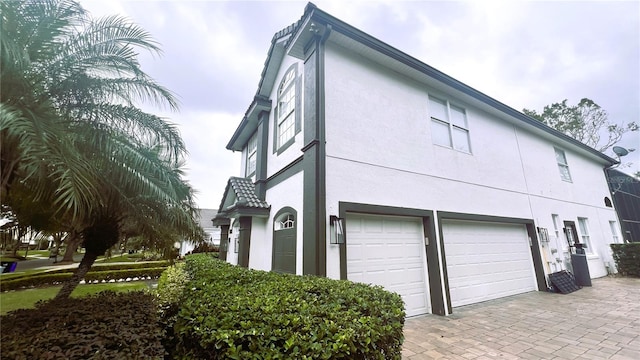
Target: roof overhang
347 36
237 212
294 40
240 199
249 123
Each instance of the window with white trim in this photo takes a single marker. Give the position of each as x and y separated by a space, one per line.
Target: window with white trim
286 112
583 225
556 221
563 166
449 125
286 221
614 231
252 147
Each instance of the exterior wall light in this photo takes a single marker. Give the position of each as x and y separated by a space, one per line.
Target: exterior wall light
337 229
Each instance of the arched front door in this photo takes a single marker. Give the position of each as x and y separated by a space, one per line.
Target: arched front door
284 241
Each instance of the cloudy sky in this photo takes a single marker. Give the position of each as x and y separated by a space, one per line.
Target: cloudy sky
524 54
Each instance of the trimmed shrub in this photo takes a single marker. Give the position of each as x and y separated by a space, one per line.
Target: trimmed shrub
108 325
205 248
171 285
94 268
136 265
152 273
228 312
627 258
54 278
169 295
34 281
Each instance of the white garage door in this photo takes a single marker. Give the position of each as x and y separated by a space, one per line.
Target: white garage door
389 251
486 261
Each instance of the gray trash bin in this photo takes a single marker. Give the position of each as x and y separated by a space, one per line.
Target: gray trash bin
580 268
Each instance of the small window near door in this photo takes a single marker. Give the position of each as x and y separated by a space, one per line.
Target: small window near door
583 225
286 221
614 232
556 220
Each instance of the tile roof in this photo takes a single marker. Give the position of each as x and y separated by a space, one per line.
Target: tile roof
245 194
205 217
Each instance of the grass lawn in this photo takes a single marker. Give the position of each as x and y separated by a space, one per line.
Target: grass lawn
32 254
26 299
119 258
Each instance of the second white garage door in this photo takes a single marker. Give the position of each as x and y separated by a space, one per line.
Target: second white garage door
389 251
486 261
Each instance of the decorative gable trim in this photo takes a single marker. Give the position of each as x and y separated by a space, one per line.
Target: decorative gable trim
240 199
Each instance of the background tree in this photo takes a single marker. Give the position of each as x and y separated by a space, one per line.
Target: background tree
586 122
71 127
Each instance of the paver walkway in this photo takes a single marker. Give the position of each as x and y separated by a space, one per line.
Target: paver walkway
598 322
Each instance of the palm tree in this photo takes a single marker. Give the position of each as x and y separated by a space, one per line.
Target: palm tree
71 127
154 216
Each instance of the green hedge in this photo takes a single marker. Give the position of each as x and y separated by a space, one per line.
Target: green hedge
104 326
95 268
229 312
627 258
169 293
47 279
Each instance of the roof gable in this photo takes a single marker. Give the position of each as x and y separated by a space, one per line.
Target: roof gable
240 199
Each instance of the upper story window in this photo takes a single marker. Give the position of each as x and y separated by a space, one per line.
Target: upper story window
449 125
583 225
563 166
286 111
252 148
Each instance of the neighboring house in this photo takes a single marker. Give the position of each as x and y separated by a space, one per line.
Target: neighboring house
625 191
430 188
213 231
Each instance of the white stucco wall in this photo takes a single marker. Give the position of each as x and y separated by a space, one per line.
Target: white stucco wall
260 247
287 193
380 151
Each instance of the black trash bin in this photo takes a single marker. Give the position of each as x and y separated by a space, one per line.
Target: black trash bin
580 267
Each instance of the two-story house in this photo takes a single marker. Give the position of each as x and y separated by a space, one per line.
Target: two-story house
361 162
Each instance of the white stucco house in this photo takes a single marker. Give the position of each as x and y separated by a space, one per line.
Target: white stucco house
361 162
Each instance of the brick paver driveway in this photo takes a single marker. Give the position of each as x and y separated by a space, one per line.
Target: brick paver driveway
598 322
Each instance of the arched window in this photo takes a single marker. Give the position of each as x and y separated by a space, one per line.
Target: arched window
285 221
607 202
286 116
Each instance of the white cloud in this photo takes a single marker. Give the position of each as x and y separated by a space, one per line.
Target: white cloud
210 164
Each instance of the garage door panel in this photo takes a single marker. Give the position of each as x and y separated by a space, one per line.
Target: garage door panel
486 261
389 251
372 226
